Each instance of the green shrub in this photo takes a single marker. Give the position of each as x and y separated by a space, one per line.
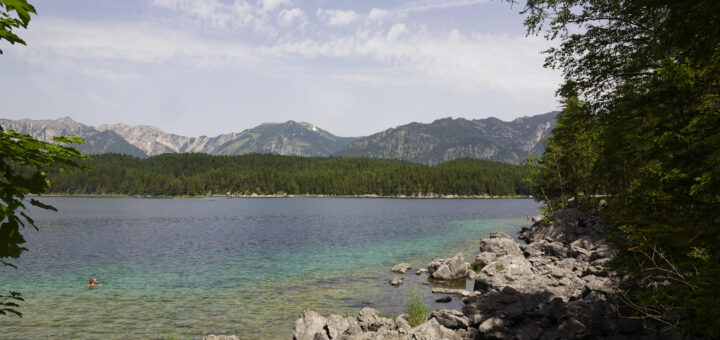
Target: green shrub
417 308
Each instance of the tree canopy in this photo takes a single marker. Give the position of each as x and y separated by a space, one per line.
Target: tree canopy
641 128
198 174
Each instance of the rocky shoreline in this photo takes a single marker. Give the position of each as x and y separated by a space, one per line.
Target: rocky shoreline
556 286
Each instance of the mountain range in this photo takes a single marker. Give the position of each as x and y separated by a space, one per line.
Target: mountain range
432 143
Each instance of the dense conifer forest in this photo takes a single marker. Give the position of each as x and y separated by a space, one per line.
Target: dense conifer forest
199 174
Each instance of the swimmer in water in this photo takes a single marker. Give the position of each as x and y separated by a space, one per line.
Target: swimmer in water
93 282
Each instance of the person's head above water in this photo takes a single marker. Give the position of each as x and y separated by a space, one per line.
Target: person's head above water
92 281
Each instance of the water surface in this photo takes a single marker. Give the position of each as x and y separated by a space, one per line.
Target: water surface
184 268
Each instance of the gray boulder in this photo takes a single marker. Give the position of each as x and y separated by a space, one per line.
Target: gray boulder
337 325
510 271
370 320
310 326
500 246
482 259
433 330
448 269
450 318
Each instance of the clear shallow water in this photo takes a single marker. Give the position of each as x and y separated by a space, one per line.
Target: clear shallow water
175 268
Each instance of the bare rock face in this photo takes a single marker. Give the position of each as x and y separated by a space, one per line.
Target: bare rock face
448 269
401 268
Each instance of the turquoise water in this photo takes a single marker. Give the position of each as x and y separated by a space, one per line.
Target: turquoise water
186 268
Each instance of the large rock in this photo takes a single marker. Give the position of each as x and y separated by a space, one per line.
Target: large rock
450 318
511 271
448 269
500 246
482 259
433 330
337 325
370 320
401 268
310 326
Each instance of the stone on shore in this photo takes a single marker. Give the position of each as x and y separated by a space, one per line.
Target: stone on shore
482 259
421 270
500 246
396 281
220 337
401 268
433 330
310 326
448 269
450 318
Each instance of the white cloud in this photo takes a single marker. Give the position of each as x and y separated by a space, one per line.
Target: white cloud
475 62
377 14
429 5
289 16
213 13
93 47
336 17
396 31
271 5
409 53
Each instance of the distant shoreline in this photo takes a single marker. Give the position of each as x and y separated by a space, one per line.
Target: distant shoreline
431 196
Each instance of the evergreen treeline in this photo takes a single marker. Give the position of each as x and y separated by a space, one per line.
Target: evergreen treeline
198 174
640 129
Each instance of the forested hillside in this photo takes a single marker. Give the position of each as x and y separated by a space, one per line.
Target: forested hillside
198 174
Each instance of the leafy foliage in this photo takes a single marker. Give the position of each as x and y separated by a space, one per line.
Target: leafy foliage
641 128
198 174
10 21
8 304
21 173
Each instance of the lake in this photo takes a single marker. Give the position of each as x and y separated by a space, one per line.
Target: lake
184 268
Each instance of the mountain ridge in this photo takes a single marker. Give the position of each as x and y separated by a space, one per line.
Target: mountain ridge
427 143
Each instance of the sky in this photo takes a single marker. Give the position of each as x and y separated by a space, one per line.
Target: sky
207 67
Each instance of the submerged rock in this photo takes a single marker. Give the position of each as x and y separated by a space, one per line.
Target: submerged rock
401 268
396 281
444 299
421 270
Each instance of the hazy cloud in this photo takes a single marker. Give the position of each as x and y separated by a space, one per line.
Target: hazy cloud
336 17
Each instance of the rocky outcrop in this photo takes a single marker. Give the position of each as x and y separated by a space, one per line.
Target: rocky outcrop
556 286
448 269
369 324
